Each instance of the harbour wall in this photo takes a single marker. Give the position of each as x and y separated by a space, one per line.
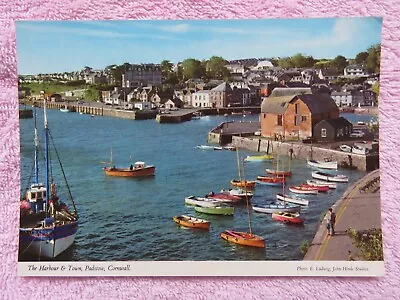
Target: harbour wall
305 151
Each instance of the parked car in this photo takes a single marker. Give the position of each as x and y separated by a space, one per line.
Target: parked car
345 148
357 134
360 150
258 133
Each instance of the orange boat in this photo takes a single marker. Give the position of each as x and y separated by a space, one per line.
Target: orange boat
191 222
243 183
279 173
243 238
138 170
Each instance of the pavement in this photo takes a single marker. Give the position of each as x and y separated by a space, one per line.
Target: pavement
356 209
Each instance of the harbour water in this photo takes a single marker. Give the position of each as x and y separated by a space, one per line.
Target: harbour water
131 219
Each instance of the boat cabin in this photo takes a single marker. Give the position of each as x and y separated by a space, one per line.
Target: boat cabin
139 165
36 196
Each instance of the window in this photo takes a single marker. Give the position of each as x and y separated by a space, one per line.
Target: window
279 120
264 115
303 118
323 132
296 108
296 120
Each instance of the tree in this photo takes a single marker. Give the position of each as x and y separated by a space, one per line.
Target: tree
339 63
374 59
192 68
369 242
216 68
361 58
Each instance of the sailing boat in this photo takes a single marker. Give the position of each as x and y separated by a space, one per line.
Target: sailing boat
47 226
275 180
139 169
244 238
239 182
278 173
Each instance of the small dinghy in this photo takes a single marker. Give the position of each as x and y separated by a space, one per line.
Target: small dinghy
243 238
217 210
323 164
254 158
276 207
192 222
303 190
329 177
320 183
200 201
294 200
320 189
286 217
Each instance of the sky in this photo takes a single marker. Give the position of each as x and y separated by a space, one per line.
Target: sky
66 46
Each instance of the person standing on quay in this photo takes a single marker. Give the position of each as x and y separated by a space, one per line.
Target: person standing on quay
331 222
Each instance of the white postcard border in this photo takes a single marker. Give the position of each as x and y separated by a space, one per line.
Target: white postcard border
204 268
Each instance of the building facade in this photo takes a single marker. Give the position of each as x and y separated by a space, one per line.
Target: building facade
142 75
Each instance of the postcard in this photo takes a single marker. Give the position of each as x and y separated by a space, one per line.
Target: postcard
200 147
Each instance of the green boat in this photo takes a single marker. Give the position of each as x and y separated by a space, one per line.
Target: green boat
218 210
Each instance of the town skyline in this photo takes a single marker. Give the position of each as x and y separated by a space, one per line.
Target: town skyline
103 43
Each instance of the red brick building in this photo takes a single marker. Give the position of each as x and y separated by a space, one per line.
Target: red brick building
294 116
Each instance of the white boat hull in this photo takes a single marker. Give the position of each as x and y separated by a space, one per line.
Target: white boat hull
331 185
309 192
203 202
64 110
274 208
331 165
292 200
327 177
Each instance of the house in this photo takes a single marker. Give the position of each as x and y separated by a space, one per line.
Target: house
142 75
221 96
160 98
201 98
328 75
142 105
146 93
348 98
173 103
241 97
355 71
331 130
369 97
294 116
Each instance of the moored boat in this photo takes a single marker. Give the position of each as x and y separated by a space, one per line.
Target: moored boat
329 177
65 109
243 183
360 150
323 164
273 181
294 200
279 173
138 170
205 147
320 188
319 183
345 148
192 222
230 148
47 226
201 201
265 157
239 193
217 210
224 197
303 190
243 238
288 218
276 207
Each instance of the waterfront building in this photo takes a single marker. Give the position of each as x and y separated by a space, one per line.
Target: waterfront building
142 105
348 98
142 75
355 71
331 130
221 96
293 114
201 98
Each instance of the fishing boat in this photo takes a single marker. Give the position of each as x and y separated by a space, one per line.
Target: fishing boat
294 200
244 238
205 147
286 217
326 164
224 197
216 210
218 148
47 225
139 169
276 207
201 201
329 177
272 181
320 189
230 148
191 222
303 190
320 183
239 193
65 109
279 173
244 183
255 158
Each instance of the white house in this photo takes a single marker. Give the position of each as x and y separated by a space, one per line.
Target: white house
201 99
353 98
142 105
355 71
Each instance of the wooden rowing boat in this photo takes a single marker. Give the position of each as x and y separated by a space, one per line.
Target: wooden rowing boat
279 173
200 201
265 157
320 189
192 222
294 200
273 181
243 238
276 207
217 210
323 164
331 185
303 190
286 217
329 177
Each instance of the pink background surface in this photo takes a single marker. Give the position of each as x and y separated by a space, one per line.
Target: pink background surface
14 287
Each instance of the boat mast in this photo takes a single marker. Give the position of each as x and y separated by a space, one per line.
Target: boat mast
238 164
247 199
46 155
36 141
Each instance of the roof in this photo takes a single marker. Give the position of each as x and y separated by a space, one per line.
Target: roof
277 92
223 87
319 103
276 105
334 93
336 123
